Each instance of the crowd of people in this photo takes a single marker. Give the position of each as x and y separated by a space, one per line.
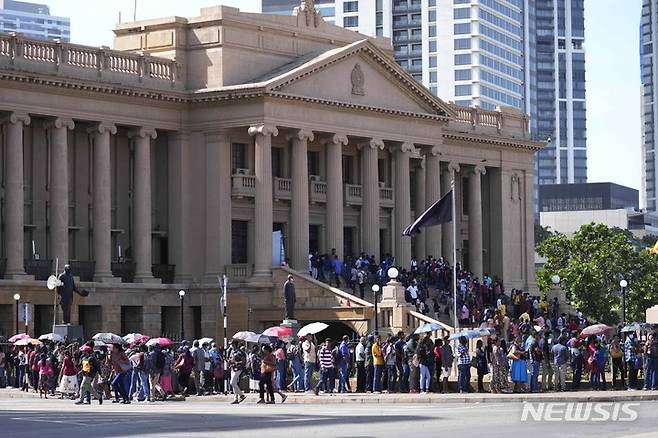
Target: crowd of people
530 361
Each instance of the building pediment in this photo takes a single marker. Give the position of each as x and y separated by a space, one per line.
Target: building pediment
359 74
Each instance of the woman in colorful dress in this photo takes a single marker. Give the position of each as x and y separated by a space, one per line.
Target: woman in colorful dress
519 366
68 377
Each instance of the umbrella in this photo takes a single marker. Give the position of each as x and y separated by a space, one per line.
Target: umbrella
431 327
596 330
108 338
278 332
633 327
312 328
51 337
242 336
470 334
18 337
163 342
135 337
28 341
259 339
205 341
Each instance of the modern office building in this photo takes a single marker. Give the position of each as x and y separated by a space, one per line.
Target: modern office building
162 172
649 99
33 20
590 196
487 53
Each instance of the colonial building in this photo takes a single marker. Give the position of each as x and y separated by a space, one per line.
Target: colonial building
170 160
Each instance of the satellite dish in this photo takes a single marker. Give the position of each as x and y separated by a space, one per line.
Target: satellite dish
53 282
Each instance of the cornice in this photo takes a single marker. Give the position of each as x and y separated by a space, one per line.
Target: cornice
507 142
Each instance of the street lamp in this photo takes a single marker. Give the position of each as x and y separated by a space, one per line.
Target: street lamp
181 294
623 284
375 290
17 298
555 279
392 273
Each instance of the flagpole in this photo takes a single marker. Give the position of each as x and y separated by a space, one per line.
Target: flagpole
454 254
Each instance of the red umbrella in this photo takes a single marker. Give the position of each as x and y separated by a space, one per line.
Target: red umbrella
18 337
163 342
596 330
279 332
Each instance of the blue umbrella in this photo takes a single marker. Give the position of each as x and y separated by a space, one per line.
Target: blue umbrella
431 327
470 334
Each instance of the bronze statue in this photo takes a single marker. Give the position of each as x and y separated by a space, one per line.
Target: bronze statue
289 297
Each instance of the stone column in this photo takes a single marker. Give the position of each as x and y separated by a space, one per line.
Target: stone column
298 239
102 203
475 221
432 194
142 229
370 193
420 239
402 209
218 206
15 204
446 182
59 189
334 150
263 203
180 228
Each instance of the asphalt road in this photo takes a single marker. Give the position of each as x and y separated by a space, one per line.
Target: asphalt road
60 418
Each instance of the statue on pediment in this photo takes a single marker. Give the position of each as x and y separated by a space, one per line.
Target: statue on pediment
358 81
307 8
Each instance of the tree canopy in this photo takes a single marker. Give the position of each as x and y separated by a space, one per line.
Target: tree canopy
591 263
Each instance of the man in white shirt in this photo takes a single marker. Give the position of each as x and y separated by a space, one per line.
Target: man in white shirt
360 358
413 291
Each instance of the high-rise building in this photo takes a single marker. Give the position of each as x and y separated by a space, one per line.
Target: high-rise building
649 98
487 53
33 20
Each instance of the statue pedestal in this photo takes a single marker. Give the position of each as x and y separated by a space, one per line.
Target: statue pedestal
70 332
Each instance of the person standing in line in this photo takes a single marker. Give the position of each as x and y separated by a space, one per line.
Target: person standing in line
630 357
199 366
310 357
560 359
447 358
89 369
378 365
360 358
293 356
267 368
280 356
327 377
617 359
344 359
481 364
237 364
463 365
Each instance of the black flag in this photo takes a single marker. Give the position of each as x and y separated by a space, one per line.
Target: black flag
439 213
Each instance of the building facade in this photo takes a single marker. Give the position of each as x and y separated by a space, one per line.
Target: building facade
527 54
649 99
590 196
171 160
33 20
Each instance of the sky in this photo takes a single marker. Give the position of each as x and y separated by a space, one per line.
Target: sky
611 62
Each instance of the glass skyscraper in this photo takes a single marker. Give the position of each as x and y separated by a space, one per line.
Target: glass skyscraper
33 20
527 54
648 29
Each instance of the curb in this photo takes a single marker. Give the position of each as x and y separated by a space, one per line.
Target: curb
324 399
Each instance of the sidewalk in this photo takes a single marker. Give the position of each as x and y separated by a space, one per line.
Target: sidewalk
432 398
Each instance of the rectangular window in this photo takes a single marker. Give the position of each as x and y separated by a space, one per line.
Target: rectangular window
462 13
432 16
462 43
463 59
462 75
434 77
351 6
462 28
313 162
432 31
433 46
351 21
239 237
238 158
433 61
462 90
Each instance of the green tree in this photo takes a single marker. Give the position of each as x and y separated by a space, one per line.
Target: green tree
541 233
590 265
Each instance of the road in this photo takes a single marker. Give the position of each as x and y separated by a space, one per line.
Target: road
60 418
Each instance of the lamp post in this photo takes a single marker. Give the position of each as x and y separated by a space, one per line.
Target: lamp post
17 298
393 273
555 280
181 294
375 290
623 284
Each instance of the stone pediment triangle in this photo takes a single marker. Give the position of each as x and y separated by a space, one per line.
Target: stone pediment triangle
358 74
